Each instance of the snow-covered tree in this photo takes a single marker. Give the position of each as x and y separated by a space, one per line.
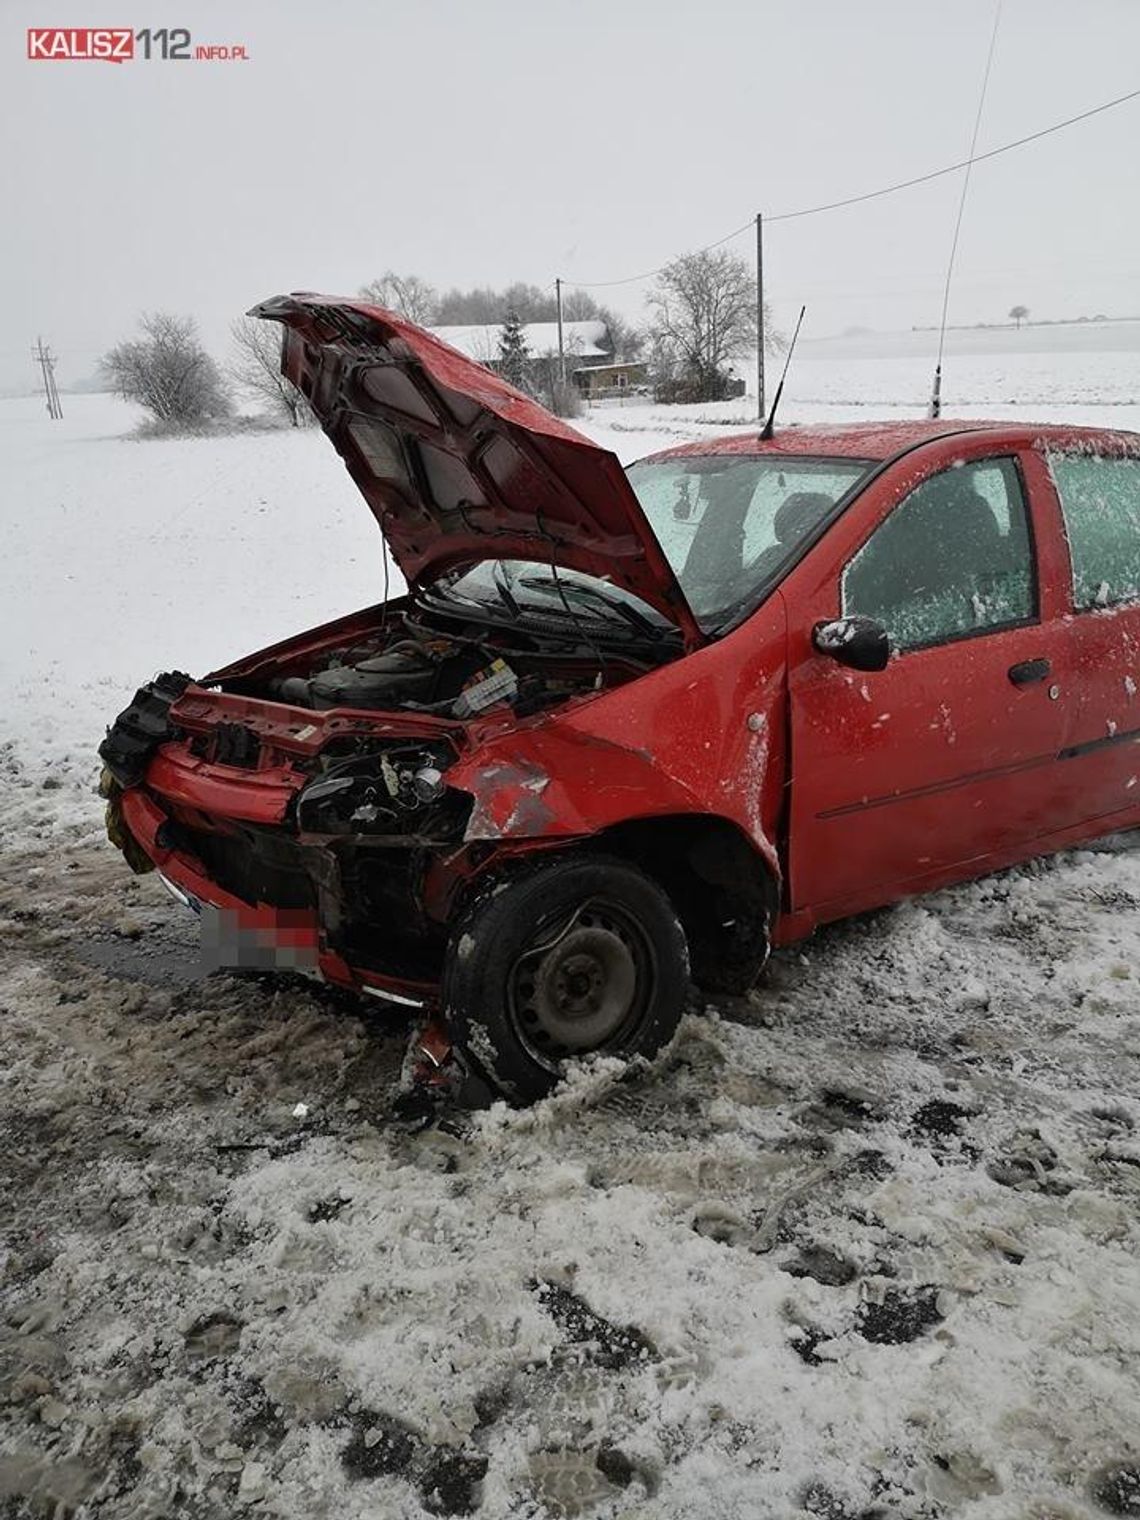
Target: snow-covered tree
514 356
168 372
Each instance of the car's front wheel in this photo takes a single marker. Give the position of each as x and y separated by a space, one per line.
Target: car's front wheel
580 956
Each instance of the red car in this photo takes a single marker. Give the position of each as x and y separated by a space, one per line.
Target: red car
632 728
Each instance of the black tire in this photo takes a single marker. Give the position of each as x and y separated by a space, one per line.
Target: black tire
580 956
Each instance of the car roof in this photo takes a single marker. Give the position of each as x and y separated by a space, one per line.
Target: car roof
884 440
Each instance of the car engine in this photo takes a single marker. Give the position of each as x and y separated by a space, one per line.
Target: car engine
411 672
456 675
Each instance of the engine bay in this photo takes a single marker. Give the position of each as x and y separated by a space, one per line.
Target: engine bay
409 665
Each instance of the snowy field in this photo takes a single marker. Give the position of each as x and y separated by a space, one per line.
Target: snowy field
865 1243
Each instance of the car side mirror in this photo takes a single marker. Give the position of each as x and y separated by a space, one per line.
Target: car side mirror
859 642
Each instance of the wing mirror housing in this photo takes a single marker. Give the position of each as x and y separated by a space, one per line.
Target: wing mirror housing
862 643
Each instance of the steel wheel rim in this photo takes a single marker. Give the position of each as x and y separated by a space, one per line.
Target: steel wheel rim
584 983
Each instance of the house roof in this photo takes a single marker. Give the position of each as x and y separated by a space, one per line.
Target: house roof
581 340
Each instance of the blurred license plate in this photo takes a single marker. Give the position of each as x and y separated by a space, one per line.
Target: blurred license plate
257 939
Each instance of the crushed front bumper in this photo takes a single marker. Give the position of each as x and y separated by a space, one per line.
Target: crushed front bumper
258 937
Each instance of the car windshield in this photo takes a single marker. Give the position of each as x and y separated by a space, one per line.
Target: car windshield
731 525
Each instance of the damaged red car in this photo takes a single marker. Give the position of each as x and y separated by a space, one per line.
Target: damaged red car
627 729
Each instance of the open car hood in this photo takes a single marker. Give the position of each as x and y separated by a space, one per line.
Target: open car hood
458 466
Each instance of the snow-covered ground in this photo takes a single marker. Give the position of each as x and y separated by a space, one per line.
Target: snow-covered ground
865 1243
1078 373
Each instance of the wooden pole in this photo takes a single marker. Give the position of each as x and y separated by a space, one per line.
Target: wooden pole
46 362
561 349
58 404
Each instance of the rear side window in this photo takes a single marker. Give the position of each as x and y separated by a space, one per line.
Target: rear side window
1100 501
954 558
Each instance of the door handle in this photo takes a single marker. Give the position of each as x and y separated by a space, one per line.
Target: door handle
1028 671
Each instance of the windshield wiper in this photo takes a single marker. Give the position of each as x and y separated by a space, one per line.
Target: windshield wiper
566 588
502 586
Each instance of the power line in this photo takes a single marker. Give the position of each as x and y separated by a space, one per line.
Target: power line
871 195
633 279
964 163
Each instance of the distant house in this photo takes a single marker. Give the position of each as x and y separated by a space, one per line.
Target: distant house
602 382
584 343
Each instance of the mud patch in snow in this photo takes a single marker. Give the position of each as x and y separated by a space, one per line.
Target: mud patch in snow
869 1233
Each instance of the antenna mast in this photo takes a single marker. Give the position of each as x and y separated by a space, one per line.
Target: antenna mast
770 426
760 316
936 392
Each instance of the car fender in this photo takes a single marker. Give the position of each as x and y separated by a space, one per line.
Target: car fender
704 735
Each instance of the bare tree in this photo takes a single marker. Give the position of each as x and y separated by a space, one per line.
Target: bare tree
479 307
530 303
579 306
482 306
256 367
704 314
628 341
1019 314
406 293
168 372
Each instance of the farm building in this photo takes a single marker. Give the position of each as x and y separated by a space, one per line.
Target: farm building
585 343
603 382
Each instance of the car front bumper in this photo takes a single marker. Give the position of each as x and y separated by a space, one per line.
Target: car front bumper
260 936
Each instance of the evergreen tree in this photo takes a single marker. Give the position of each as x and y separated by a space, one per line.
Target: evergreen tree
514 357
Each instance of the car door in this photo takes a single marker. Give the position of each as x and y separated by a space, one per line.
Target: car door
949 756
1097 481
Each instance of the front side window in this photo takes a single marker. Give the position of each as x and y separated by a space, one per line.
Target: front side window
732 525
954 558
1100 502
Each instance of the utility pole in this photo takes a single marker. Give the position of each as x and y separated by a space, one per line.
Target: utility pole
561 349
54 390
40 356
46 360
760 316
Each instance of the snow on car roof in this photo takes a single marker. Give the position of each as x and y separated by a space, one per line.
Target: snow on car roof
875 440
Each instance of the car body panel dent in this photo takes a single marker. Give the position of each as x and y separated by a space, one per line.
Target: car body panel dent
700 736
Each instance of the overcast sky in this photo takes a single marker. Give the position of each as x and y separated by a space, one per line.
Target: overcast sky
509 139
